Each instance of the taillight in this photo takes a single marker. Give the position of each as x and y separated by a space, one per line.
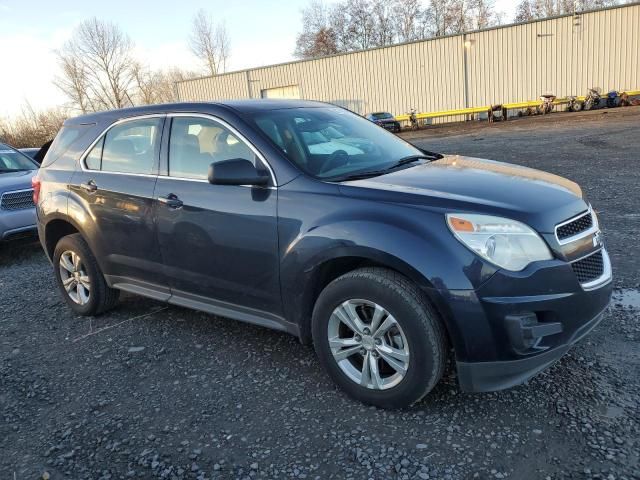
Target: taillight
35 184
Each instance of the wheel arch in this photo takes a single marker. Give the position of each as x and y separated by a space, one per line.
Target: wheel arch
328 270
55 229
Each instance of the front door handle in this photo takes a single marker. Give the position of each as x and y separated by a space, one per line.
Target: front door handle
90 186
171 201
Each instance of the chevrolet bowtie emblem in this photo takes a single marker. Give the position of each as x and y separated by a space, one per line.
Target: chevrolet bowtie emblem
597 240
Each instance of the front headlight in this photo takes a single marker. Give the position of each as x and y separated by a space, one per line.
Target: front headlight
507 243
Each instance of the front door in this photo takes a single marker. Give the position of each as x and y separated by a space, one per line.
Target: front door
219 242
116 185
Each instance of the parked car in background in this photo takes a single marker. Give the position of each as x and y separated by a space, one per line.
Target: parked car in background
37 154
17 212
30 152
386 257
385 120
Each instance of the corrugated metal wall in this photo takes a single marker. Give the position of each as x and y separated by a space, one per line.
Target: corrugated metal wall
563 56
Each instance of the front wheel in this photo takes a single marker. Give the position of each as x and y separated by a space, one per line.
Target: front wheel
80 279
378 338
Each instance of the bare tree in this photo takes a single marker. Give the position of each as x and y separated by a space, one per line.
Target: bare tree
210 43
158 86
384 32
74 82
97 67
359 24
317 38
409 20
31 128
534 9
484 14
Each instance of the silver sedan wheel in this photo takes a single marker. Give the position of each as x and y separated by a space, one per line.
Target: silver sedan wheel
368 344
74 277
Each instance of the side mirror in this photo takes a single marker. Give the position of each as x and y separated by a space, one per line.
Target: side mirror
237 171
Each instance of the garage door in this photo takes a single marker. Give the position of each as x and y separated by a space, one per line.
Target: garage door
290 91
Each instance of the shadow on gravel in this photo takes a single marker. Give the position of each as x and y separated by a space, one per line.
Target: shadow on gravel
20 251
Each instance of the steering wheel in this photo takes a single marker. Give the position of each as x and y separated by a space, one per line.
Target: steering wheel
339 157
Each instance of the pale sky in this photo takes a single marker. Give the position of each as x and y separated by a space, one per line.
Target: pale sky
261 33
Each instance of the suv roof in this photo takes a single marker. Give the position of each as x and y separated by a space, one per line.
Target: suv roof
240 106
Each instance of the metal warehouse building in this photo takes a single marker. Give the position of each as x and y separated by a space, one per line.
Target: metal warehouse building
563 55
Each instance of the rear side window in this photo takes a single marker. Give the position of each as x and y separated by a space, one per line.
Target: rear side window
64 139
94 159
131 147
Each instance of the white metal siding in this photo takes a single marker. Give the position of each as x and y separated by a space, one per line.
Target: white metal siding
563 56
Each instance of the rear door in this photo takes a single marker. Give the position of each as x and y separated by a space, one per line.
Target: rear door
219 242
116 184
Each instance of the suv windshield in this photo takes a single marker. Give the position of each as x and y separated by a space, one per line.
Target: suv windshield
332 143
13 161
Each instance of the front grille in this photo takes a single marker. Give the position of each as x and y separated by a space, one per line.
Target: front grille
589 268
18 200
579 225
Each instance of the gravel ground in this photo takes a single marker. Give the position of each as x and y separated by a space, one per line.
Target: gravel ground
150 391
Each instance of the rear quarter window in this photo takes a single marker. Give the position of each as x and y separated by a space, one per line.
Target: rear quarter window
66 137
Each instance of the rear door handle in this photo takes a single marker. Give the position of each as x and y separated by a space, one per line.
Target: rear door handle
171 201
90 186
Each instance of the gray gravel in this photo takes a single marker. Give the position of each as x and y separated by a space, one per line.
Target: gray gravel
150 391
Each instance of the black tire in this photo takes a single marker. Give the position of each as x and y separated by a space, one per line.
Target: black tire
423 330
101 297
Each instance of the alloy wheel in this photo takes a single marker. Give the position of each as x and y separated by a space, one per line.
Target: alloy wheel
368 344
74 277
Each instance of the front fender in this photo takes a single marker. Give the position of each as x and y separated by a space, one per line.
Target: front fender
410 239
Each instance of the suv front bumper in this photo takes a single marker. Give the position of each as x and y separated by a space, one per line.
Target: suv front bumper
492 376
519 323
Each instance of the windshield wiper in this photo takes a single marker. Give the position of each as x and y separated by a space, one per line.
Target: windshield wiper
375 173
356 176
414 158
11 170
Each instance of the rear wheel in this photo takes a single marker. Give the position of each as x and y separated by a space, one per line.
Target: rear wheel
80 279
378 338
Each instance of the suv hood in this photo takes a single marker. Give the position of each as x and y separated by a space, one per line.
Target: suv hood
466 184
16 180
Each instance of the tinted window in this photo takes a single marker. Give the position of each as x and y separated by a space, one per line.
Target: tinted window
94 159
132 147
64 139
195 143
381 116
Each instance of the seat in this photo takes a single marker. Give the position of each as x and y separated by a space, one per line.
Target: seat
118 152
294 152
185 158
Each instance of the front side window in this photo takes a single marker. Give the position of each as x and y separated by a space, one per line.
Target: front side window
331 143
195 143
130 147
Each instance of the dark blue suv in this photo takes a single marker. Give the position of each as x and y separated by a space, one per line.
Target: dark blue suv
307 218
